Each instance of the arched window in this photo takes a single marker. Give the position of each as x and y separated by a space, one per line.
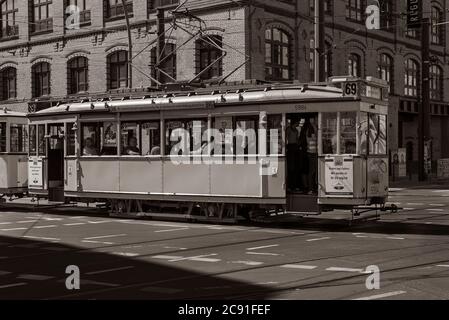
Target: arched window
8 80
118 70
436 83
209 56
354 65
385 69
437 30
77 72
411 78
277 55
41 79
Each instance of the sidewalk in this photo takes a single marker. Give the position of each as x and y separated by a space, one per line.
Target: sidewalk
432 183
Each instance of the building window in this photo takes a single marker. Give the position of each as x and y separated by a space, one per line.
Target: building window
437 30
9 14
8 79
355 10
385 69
167 65
436 83
78 75
154 4
85 14
328 4
386 16
209 55
411 78
354 65
114 8
41 79
277 55
42 20
118 70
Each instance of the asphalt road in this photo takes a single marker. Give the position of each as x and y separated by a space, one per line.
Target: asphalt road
292 258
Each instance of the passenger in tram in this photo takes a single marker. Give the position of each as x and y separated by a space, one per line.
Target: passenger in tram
132 149
89 148
312 153
155 151
302 160
292 154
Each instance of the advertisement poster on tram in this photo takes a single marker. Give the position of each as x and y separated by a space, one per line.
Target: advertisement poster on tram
35 173
339 174
377 177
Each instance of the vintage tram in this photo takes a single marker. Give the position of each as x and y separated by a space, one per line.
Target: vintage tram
13 153
152 156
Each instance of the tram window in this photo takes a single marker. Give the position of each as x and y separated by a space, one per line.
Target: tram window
185 136
70 140
246 136
130 139
329 133
55 131
151 138
18 138
377 134
348 136
41 140
90 139
363 133
2 137
224 143
274 142
107 140
32 144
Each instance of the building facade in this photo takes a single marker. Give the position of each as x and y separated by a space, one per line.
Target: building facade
51 51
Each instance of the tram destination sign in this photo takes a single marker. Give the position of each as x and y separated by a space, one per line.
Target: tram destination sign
414 14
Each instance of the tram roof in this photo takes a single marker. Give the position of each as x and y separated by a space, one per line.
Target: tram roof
198 100
4 112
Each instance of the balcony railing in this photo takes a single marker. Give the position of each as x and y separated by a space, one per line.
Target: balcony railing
45 25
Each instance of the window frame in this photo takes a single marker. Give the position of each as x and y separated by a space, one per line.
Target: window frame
9 28
75 70
115 68
277 47
41 88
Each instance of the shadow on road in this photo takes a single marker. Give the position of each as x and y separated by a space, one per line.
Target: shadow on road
36 270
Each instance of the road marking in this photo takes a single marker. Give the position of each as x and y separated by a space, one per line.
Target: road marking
13 229
248 263
44 227
263 253
395 238
201 258
435 210
75 224
27 221
415 204
443 265
110 270
263 247
436 205
298 266
4 273
78 217
171 230
96 242
35 277
42 238
105 284
99 222
163 257
339 269
318 239
108 236
13 285
5 223
176 248
126 254
52 219
384 295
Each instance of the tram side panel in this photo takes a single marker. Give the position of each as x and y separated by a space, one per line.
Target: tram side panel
14 176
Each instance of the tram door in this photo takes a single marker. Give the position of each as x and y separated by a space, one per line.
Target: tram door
56 163
302 162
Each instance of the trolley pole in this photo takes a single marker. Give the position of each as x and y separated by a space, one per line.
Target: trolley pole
424 110
130 46
319 41
160 52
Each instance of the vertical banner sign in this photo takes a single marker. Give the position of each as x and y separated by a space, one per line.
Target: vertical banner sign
414 14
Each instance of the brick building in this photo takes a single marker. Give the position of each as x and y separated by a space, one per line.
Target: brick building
42 61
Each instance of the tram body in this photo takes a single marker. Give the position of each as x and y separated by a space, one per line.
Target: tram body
352 151
13 153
